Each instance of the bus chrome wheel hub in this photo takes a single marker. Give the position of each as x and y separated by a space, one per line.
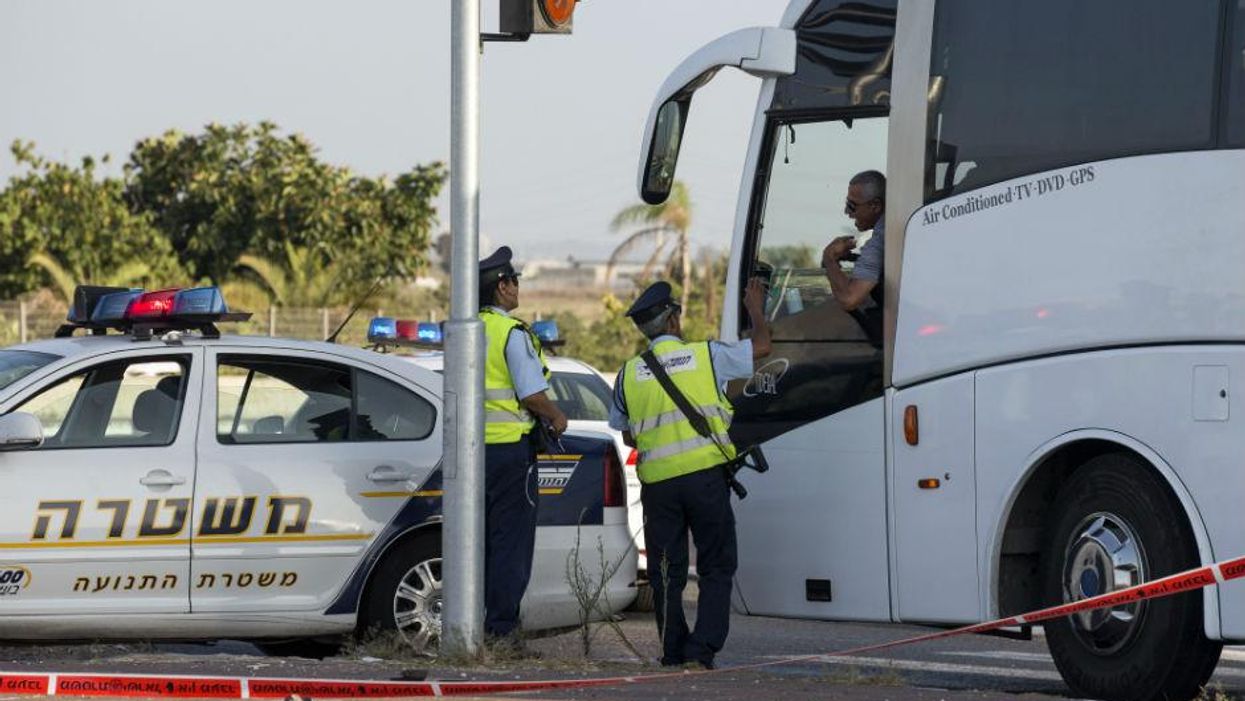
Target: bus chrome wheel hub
417 605
1104 555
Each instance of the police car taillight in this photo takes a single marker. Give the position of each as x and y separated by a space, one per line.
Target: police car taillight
633 458
615 486
152 305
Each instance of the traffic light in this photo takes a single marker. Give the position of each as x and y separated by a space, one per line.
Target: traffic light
537 16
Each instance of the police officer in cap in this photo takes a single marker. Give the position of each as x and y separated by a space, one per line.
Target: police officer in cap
515 383
684 485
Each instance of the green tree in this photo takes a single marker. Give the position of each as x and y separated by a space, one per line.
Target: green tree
658 224
63 225
241 189
300 278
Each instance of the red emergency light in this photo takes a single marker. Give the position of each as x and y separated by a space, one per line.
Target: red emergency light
151 305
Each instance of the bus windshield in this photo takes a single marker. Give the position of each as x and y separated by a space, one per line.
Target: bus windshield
16 364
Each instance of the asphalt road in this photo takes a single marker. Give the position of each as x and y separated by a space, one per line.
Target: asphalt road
970 667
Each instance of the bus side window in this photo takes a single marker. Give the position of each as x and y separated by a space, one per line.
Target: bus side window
1234 75
824 360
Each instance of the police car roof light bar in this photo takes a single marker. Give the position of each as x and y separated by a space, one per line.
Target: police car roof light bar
385 331
131 310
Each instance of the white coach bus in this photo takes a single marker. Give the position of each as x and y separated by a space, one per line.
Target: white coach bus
1047 413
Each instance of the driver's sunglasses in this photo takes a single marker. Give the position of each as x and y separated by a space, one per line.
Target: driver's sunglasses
514 278
851 207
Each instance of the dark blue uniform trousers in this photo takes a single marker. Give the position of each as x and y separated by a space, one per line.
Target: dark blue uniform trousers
511 495
699 501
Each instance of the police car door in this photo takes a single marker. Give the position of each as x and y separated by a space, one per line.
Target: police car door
95 520
304 459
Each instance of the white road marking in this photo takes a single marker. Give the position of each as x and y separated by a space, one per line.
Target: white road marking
1002 655
939 667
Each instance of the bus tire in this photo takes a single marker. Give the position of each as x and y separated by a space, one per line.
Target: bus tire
404 596
1117 520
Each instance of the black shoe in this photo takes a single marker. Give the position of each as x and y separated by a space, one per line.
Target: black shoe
667 661
706 663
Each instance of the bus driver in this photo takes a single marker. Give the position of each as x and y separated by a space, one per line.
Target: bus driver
866 204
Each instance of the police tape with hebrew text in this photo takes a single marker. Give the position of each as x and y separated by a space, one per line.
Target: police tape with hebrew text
152 686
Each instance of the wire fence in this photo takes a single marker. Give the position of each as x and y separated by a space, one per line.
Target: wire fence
21 322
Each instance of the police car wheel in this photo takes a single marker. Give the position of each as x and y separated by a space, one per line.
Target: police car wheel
644 602
405 594
1118 525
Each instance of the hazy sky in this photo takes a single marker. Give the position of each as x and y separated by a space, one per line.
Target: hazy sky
368 81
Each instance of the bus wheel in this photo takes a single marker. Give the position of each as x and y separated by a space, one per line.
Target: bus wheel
405 595
1117 526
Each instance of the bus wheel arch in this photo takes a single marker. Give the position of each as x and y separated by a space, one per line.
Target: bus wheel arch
1030 512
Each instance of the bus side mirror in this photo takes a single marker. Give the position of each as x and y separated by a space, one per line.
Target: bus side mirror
20 431
663 150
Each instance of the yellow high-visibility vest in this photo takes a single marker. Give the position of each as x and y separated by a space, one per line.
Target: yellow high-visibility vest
668 446
505 419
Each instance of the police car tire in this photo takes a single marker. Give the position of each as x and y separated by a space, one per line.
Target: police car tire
1168 656
644 602
377 609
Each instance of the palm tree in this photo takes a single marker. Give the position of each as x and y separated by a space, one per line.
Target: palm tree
65 279
302 279
653 223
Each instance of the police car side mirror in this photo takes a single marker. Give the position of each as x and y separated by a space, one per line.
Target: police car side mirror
20 431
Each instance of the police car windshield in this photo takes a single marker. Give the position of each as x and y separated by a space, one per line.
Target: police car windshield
15 364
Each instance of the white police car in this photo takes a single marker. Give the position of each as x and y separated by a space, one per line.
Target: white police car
171 483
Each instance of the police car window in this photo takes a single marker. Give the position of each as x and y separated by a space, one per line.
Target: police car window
126 403
14 365
582 397
260 400
386 411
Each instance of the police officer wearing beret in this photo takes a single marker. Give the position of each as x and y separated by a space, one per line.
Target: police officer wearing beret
515 382
684 485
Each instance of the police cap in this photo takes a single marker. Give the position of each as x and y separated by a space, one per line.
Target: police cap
497 266
654 300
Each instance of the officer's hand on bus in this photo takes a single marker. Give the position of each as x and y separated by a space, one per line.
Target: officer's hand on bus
754 296
838 248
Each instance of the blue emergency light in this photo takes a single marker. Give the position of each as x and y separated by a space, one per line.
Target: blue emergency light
382 328
199 301
111 308
546 330
429 332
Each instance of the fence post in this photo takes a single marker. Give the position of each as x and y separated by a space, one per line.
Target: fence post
22 331
272 320
324 323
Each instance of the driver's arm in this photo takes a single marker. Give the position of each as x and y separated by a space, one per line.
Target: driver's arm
850 293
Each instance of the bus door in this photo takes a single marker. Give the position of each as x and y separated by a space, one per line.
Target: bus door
817 520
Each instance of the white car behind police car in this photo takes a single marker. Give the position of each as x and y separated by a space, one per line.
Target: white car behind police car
181 485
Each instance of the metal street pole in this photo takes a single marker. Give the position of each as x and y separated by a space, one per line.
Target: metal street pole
462 541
